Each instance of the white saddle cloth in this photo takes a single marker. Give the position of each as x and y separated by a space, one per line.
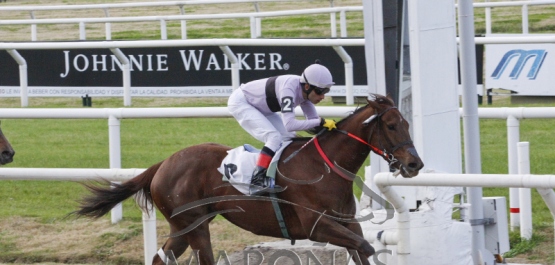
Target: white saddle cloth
238 165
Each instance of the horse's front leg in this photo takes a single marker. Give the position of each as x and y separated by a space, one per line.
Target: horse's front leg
357 229
330 231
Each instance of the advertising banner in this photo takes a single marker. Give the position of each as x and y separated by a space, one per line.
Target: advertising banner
173 71
521 69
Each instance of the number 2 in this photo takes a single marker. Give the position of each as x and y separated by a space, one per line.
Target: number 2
286 104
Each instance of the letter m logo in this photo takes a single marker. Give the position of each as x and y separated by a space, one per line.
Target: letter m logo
522 58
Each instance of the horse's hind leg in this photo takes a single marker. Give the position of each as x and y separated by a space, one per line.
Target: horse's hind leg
175 245
199 239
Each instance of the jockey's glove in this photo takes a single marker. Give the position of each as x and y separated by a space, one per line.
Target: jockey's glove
330 124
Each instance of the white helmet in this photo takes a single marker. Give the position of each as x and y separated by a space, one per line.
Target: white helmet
317 75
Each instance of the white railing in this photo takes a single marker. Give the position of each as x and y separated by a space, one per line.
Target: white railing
223 44
524 11
254 18
114 115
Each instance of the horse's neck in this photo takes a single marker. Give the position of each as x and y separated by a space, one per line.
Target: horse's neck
344 150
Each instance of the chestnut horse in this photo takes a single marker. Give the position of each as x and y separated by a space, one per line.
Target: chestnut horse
6 150
317 203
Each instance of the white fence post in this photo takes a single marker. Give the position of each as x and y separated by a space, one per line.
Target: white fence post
82 31
108 25
513 137
126 75
349 98
22 76
115 159
235 78
183 23
524 19
163 30
525 196
33 28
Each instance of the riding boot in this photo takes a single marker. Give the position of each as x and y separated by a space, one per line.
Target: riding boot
260 182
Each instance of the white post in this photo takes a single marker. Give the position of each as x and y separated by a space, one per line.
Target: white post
488 20
234 66
163 30
126 72
108 25
33 28
183 24
524 19
149 228
258 21
22 76
115 159
372 15
343 24
333 25
513 137
349 98
524 193
82 31
467 51
253 27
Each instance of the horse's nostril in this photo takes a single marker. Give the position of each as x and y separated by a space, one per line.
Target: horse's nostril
415 166
8 154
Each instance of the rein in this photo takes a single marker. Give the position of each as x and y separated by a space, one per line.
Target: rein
383 153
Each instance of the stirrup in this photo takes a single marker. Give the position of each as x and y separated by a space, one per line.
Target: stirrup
262 190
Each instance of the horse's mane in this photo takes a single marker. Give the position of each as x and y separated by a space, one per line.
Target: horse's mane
382 100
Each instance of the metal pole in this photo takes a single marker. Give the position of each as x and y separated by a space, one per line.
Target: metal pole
108 25
513 137
235 79
115 160
126 75
183 24
524 19
163 30
471 127
22 76
33 28
525 195
82 31
349 98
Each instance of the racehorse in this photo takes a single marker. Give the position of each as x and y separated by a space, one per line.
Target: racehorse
6 150
317 202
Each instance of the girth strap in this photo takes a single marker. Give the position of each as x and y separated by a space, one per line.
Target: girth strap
280 219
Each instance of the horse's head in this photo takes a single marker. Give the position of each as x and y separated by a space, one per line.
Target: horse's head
389 131
6 150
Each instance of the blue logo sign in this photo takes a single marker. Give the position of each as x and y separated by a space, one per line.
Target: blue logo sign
523 56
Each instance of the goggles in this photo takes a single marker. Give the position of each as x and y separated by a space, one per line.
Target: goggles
321 91
317 90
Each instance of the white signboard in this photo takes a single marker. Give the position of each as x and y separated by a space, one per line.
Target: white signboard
523 69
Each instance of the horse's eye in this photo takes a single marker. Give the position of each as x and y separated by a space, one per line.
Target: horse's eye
391 127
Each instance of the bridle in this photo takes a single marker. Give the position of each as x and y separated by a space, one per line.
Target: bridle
387 156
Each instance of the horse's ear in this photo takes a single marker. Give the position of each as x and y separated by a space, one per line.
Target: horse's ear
374 103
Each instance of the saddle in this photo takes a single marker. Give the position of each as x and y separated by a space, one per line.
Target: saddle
236 168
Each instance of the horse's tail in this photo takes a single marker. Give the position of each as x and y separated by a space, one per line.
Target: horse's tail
106 196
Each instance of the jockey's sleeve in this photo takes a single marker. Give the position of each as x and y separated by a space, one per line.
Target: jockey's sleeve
292 124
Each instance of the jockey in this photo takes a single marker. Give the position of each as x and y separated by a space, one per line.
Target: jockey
255 105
